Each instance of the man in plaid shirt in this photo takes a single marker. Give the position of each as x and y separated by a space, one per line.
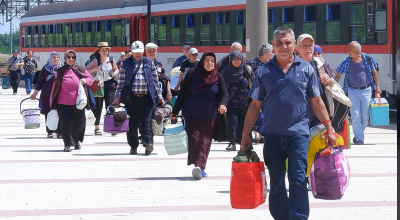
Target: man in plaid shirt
360 79
145 91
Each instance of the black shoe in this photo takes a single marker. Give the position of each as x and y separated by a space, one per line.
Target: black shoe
28 93
77 146
149 149
261 140
67 149
231 147
133 151
357 142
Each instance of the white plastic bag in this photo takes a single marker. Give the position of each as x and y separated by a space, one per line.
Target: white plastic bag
90 118
22 71
81 100
52 120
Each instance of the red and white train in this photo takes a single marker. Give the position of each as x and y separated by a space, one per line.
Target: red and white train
212 25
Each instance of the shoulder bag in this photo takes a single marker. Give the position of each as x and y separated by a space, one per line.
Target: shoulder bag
126 92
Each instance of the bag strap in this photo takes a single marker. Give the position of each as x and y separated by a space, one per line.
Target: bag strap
134 73
12 62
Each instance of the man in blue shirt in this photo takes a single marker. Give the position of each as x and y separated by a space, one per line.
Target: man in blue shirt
179 60
284 87
359 84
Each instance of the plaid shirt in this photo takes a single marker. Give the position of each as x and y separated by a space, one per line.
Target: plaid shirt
139 85
344 67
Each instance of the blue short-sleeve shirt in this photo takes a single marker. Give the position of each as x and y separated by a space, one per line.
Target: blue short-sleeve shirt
286 96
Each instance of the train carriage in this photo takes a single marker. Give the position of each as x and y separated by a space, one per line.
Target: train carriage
212 25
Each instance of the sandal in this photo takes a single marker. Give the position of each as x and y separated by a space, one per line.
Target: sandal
49 135
97 132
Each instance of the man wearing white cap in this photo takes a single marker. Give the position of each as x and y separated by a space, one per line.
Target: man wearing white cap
140 74
187 65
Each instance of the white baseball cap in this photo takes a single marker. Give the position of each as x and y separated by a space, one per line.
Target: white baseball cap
137 47
151 45
122 54
193 51
304 36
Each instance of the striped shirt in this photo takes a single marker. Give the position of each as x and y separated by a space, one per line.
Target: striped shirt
344 69
139 85
12 61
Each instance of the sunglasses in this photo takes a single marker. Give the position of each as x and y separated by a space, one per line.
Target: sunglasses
71 57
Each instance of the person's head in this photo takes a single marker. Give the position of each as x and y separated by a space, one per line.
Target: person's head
236 58
15 53
207 62
185 50
305 46
103 49
317 51
151 50
236 46
29 54
193 52
354 49
284 43
265 52
128 53
54 57
137 48
121 55
70 57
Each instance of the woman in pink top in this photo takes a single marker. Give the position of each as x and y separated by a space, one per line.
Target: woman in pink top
63 97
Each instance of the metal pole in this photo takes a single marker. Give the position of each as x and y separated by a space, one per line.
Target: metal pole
148 21
256 32
28 5
11 36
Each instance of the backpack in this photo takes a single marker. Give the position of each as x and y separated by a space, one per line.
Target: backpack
370 62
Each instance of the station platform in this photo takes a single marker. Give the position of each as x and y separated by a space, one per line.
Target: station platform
103 181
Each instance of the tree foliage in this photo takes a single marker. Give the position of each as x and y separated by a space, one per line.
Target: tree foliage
5 42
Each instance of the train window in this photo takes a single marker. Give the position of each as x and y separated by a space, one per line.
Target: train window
288 17
24 34
78 35
222 29
58 35
42 36
271 22
332 24
380 27
153 25
97 34
35 36
108 32
176 39
68 35
357 23
162 31
205 29
118 33
310 21
239 26
88 34
189 29
381 4
49 35
127 32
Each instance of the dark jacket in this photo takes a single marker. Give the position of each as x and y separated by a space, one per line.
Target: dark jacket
222 96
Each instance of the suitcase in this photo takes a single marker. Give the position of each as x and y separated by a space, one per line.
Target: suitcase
6 82
379 111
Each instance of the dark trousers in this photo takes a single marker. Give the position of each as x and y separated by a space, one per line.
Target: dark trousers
73 124
58 130
277 148
109 96
236 117
15 78
140 112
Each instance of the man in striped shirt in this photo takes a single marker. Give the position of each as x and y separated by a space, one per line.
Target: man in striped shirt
146 93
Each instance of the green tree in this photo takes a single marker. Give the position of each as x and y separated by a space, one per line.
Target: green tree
5 42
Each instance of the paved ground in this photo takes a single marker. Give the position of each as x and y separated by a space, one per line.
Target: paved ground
102 181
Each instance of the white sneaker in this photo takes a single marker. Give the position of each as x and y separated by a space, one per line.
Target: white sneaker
196 172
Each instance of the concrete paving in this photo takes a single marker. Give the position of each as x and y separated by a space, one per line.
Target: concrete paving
102 181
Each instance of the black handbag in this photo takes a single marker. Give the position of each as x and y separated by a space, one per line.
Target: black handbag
126 92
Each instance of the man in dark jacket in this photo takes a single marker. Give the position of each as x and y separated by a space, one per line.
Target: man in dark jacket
224 62
145 91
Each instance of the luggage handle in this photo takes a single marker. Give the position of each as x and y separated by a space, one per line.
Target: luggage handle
377 95
108 109
166 117
20 105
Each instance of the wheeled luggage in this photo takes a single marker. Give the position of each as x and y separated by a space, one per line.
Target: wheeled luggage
6 82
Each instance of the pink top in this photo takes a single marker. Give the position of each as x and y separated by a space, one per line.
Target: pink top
69 87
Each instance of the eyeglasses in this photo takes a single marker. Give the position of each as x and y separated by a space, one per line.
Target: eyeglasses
306 46
71 57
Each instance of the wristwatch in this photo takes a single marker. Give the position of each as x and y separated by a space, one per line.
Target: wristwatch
169 93
376 87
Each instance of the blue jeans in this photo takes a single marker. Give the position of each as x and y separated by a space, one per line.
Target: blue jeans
28 81
359 110
276 149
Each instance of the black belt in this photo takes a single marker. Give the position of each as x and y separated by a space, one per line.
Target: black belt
140 95
359 88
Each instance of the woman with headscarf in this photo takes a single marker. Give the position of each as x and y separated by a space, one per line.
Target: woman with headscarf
104 70
203 95
45 84
238 78
63 98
